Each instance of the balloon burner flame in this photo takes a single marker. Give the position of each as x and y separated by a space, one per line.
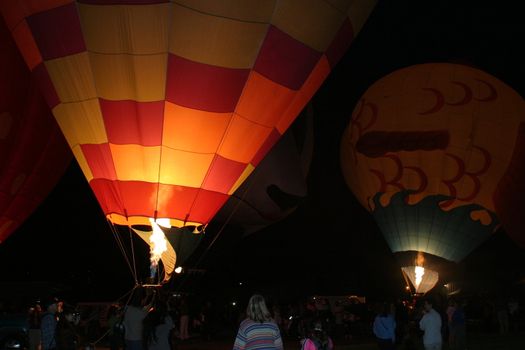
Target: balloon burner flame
157 247
419 271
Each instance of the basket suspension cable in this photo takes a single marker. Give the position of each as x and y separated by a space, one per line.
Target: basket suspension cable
130 292
226 222
133 255
199 260
120 244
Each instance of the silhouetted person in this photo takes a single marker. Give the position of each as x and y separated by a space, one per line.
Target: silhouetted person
384 328
66 334
158 325
430 324
457 327
134 315
33 319
48 324
115 327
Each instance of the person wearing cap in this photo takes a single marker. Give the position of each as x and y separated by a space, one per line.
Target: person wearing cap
48 324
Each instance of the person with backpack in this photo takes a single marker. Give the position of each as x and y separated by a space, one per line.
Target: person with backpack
317 339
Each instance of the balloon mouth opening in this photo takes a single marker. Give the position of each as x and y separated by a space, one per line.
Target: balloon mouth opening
195 229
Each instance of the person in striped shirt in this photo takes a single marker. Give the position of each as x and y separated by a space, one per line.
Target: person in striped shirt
258 331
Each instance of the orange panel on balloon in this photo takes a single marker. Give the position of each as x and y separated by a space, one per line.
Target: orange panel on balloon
183 168
136 162
243 140
310 86
192 129
263 101
26 43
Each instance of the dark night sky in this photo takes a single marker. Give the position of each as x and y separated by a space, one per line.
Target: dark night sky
330 245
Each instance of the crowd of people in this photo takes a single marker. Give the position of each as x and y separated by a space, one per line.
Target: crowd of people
153 320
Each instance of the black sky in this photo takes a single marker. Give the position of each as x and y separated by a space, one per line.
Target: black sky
330 245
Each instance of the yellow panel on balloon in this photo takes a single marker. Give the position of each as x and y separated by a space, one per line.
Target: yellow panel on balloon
136 163
248 11
189 129
245 174
217 41
125 29
243 140
81 122
82 162
184 168
127 77
358 13
72 77
313 23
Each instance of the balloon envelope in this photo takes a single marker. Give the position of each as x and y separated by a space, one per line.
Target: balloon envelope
33 151
169 106
427 152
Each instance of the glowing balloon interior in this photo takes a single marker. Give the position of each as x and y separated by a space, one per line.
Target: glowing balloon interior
422 279
169 106
431 151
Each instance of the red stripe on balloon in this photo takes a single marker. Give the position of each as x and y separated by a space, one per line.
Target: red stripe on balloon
157 200
57 31
467 96
202 86
133 122
223 174
285 60
440 101
46 85
99 160
207 204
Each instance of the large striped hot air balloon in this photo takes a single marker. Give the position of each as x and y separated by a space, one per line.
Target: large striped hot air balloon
33 151
168 106
427 151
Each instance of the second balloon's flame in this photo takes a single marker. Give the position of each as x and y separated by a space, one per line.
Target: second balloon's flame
419 271
158 245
